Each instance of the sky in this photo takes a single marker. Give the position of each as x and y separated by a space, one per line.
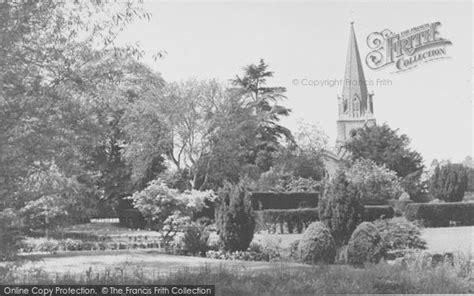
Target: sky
305 42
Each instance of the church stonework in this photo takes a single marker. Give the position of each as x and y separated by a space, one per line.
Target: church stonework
356 108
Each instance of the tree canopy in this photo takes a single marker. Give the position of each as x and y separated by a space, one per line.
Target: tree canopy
385 146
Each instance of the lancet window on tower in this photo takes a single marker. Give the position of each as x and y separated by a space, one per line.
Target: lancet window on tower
356 106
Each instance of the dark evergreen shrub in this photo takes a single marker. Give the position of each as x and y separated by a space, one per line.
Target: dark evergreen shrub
317 245
449 182
234 217
341 208
195 240
365 245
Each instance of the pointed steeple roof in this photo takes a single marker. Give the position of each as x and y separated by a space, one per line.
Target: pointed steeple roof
354 79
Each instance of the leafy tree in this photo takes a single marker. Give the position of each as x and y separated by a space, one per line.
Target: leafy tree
377 184
449 182
45 114
234 217
385 146
191 109
469 164
52 198
263 100
8 234
341 208
415 184
234 134
298 165
128 152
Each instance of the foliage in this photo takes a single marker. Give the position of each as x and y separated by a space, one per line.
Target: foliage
243 255
278 181
51 198
399 206
43 46
340 208
190 108
385 146
441 214
377 184
293 161
168 210
297 166
449 182
232 139
294 254
414 185
255 252
157 202
263 100
470 177
372 213
317 245
195 239
295 219
400 234
310 137
234 217
8 234
365 245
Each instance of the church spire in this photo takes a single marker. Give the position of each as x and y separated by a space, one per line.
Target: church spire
354 92
356 104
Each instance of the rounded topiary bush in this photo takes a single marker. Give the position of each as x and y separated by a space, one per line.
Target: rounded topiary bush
365 245
317 245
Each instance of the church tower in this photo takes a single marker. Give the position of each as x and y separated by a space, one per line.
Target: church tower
355 105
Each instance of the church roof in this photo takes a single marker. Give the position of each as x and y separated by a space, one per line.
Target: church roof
354 79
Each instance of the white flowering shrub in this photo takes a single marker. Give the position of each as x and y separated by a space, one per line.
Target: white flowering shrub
167 210
377 184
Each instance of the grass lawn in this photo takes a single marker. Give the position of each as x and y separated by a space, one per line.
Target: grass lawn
251 278
152 262
244 278
450 239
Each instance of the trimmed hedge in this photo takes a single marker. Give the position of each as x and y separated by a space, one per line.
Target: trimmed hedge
372 213
284 200
440 215
131 218
399 206
294 219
